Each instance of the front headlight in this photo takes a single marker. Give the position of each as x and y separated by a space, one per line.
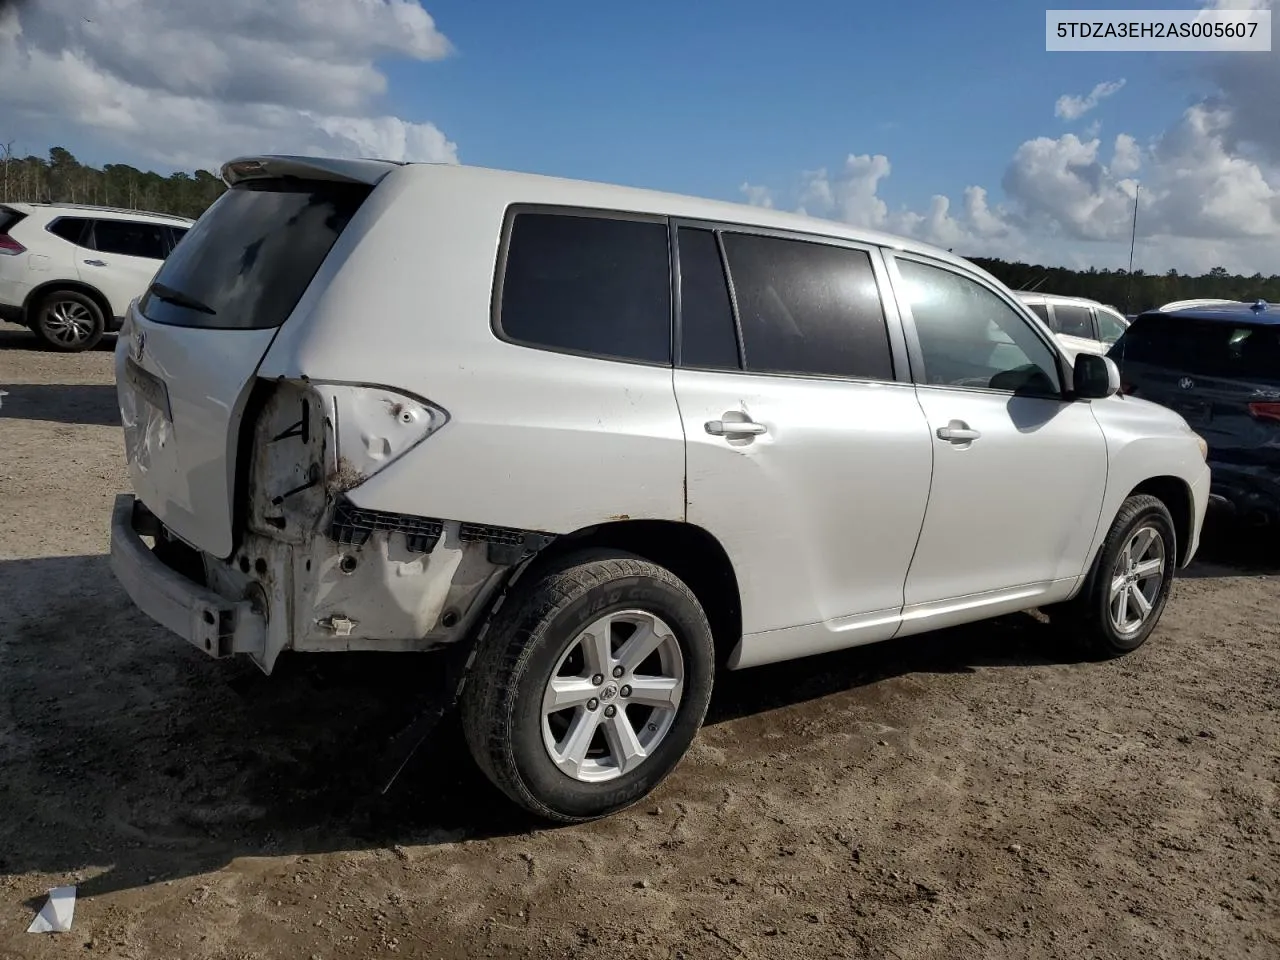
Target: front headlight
1202 444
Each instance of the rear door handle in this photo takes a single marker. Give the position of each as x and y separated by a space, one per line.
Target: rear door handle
735 428
96 263
957 431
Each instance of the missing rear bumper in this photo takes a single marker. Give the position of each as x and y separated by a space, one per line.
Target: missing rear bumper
208 621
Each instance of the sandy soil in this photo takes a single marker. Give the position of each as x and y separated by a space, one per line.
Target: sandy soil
974 793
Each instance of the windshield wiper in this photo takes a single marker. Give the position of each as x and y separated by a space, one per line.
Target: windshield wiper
169 295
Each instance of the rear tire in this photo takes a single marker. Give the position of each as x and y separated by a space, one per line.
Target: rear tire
1129 585
68 321
631 655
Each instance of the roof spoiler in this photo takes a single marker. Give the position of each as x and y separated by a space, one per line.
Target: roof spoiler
368 172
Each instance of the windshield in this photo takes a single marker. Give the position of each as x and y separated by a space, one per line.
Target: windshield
1208 348
248 260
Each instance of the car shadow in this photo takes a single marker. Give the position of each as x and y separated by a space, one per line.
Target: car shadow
1229 548
122 746
88 403
15 337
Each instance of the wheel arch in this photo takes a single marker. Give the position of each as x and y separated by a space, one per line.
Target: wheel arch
1175 494
76 286
688 551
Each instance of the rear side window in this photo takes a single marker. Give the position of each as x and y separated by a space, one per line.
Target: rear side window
808 308
1206 348
593 285
1074 321
708 335
130 239
1041 311
246 263
70 229
9 217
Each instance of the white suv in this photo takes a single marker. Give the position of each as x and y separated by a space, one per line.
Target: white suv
1080 325
599 443
68 271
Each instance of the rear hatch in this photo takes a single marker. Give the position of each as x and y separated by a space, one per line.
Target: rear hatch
187 359
1220 371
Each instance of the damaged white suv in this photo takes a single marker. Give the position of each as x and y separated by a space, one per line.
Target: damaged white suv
600 443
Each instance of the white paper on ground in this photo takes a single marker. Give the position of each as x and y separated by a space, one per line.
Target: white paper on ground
55 916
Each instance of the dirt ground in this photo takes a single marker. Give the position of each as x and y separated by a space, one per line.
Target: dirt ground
973 793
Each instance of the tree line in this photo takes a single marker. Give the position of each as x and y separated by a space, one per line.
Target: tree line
1133 293
61 178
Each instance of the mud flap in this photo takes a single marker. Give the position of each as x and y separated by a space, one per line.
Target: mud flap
404 745
460 657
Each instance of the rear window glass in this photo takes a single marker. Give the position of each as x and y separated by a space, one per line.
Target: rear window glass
248 260
1207 348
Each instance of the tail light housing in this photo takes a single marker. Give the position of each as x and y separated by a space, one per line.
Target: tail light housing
1265 411
10 247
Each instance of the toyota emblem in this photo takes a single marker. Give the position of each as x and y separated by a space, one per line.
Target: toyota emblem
1186 383
142 345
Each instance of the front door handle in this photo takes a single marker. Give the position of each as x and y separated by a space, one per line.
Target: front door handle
735 428
96 263
957 431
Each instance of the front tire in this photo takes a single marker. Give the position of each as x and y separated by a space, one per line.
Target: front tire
589 685
1130 582
68 321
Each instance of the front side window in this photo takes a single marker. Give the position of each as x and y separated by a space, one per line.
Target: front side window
969 337
808 308
1073 320
595 285
1110 326
129 238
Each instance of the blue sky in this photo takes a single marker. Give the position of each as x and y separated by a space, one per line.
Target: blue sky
930 118
698 98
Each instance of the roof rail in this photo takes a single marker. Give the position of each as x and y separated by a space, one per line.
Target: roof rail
106 209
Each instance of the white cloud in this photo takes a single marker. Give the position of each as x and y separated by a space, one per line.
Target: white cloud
757 196
1208 187
851 194
1070 107
189 83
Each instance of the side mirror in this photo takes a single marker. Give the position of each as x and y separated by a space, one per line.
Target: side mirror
1095 377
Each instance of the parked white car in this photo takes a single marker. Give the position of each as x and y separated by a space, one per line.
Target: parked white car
68 271
610 442
1080 325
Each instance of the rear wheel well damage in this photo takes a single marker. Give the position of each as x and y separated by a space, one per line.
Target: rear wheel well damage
688 551
1176 496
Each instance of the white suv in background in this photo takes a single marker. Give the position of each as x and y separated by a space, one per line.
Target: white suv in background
1079 324
68 271
599 443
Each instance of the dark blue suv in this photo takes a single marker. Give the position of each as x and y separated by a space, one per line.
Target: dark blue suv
1219 367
